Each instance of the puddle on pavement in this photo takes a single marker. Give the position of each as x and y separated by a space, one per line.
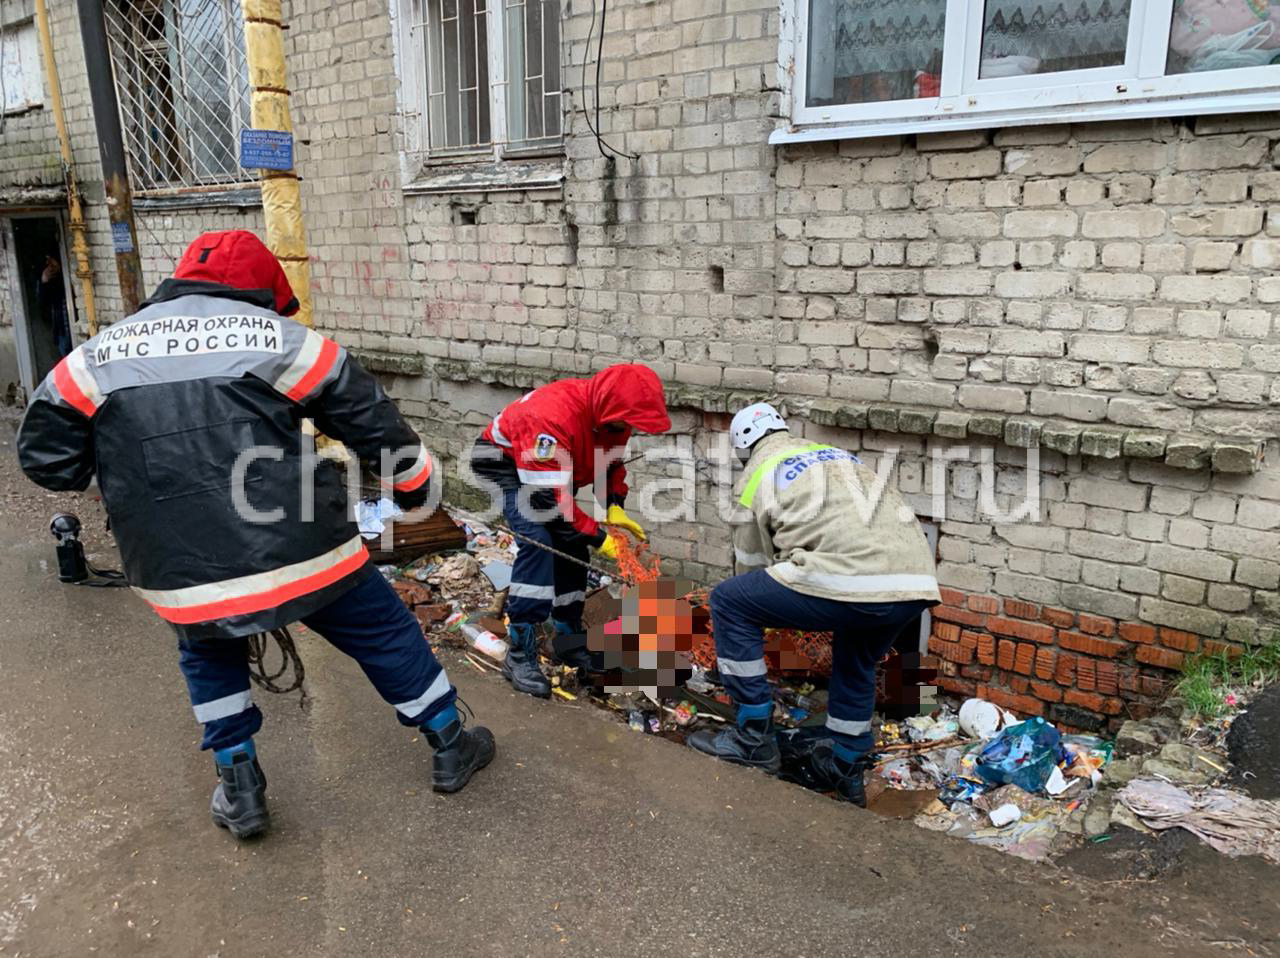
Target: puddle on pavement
899 803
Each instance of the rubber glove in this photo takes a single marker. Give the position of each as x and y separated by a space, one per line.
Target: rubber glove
617 516
608 548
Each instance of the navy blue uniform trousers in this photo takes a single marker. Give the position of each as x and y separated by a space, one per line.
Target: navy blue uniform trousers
368 623
543 585
744 606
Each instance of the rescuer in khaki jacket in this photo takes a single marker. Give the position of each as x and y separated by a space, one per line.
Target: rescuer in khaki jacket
828 547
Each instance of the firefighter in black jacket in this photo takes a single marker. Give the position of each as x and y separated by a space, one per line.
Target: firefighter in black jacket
190 414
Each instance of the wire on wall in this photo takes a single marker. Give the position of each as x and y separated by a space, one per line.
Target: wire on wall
601 143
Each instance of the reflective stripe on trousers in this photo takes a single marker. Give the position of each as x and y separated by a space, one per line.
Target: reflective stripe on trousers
741 609
543 585
225 707
368 623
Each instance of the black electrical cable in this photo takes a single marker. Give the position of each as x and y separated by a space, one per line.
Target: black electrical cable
105 578
604 19
601 142
586 51
4 96
289 657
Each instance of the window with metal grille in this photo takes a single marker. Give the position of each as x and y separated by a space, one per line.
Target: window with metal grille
480 76
183 86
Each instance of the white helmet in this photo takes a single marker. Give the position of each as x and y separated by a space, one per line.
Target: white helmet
752 423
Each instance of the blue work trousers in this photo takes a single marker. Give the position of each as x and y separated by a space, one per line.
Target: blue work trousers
368 623
744 606
543 585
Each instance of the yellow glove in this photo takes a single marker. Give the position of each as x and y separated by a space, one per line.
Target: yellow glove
617 516
608 548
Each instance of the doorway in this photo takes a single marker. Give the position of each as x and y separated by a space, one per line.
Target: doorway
45 314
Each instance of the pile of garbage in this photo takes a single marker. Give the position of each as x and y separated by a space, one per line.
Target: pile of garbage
990 778
459 597
1024 788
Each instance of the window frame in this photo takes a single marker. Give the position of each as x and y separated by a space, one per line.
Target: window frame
1138 88
31 73
412 68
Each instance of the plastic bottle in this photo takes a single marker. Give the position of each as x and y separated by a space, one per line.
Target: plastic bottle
484 641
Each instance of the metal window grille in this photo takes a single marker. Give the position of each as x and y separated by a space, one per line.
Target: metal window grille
458 108
484 77
533 72
183 85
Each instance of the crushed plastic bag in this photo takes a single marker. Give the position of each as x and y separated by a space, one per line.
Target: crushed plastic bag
900 773
1024 755
372 516
1087 755
927 728
1232 823
456 574
1029 839
961 781
961 791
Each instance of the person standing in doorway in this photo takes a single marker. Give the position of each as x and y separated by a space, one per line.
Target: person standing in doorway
51 301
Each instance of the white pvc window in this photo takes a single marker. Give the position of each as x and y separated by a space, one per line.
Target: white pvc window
481 76
882 66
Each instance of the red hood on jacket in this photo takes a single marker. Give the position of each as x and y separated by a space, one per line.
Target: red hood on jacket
238 259
630 394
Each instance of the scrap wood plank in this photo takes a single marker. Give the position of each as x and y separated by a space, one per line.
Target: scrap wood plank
410 540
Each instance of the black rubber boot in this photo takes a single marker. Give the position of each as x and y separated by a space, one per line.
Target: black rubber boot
842 776
240 798
569 647
460 753
521 667
750 742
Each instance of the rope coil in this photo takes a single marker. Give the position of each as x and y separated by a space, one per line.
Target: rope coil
290 661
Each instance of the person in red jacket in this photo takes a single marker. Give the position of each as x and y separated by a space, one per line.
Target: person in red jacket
538 452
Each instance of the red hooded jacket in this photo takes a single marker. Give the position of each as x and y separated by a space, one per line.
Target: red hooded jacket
237 258
554 434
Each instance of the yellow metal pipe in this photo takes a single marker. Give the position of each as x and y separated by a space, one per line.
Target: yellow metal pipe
269 110
79 245
281 192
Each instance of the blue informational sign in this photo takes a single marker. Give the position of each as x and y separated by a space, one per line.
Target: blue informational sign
266 150
121 238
